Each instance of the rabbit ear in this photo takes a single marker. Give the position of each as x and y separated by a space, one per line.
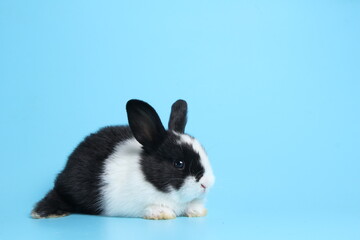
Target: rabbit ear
178 116
145 124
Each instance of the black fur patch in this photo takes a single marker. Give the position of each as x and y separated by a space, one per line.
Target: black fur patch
77 187
158 166
178 116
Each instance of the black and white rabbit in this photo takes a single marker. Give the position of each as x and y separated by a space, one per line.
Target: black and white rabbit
140 170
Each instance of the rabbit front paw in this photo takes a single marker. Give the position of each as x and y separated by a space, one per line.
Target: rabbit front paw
156 212
195 210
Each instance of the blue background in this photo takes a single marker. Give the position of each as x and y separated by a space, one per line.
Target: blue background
273 89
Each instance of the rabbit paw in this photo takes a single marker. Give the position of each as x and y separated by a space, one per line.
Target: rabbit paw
36 215
159 213
196 210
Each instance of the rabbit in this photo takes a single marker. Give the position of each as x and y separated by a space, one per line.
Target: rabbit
140 170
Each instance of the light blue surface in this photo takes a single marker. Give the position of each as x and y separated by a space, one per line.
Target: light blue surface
274 95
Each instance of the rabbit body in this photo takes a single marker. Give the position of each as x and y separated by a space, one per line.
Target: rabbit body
140 170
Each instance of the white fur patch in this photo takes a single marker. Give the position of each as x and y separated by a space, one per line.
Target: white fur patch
125 191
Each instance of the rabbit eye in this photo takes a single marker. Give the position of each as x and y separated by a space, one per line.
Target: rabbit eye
179 164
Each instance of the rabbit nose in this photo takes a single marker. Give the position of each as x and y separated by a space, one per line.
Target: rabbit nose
203 186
